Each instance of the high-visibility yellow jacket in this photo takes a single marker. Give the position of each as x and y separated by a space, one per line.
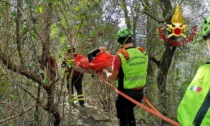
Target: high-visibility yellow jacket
194 109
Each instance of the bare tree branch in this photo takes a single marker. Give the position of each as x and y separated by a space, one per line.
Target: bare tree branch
155 18
19 114
22 88
157 62
18 35
23 14
20 69
10 106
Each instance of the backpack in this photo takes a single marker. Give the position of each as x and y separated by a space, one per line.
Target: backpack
193 109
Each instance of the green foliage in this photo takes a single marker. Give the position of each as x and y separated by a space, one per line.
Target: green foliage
25 30
40 9
45 81
0 112
32 66
14 13
2 9
10 124
49 1
41 71
70 100
70 62
13 96
57 32
4 86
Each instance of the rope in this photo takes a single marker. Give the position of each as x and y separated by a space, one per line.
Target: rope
150 109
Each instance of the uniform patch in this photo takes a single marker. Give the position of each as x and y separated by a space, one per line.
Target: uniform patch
196 88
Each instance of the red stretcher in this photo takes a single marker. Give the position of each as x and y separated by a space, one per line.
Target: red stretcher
101 61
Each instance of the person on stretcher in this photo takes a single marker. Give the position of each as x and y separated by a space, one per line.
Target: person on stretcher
92 54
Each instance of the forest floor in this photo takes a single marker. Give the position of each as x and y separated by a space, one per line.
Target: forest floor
90 116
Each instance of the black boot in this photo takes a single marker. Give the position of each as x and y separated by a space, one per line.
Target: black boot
82 103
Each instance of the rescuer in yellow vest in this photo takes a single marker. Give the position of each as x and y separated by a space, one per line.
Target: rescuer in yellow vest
194 109
129 69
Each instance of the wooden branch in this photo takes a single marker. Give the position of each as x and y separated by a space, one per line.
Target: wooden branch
62 83
53 83
20 69
35 98
127 19
156 19
173 50
17 115
47 42
23 14
157 62
166 14
21 87
142 3
10 106
18 35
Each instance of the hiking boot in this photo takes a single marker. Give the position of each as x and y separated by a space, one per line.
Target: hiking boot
82 103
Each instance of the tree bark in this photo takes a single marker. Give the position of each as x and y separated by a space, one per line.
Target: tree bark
52 107
127 19
18 35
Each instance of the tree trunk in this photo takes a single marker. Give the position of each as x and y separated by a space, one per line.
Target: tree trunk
18 36
162 76
164 63
52 107
37 107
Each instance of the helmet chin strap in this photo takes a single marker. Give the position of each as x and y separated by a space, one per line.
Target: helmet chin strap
126 39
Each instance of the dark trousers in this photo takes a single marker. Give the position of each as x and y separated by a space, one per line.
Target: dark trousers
125 108
77 83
